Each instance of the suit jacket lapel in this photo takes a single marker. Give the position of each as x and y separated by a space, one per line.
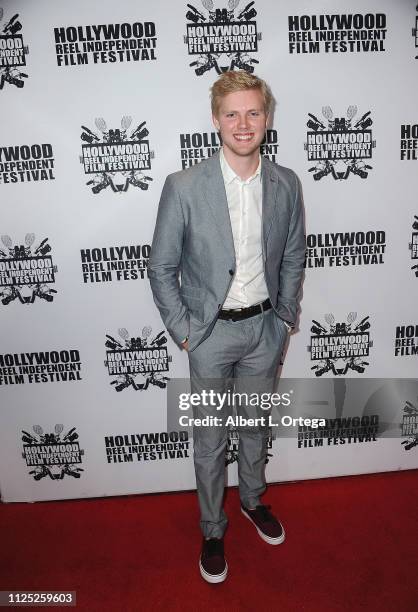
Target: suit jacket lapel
270 184
215 195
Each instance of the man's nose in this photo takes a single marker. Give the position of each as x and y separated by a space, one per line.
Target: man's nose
243 121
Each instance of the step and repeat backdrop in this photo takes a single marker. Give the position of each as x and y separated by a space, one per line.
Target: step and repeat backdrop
100 100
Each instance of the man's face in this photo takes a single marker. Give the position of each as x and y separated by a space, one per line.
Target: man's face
241 121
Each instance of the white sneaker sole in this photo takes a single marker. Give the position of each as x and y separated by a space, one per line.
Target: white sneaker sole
263 536
213 579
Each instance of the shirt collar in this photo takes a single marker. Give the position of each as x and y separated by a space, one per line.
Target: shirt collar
228 173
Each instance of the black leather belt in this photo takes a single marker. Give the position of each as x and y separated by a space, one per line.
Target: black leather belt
244 313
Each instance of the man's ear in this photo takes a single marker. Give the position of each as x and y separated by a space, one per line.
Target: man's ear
215 122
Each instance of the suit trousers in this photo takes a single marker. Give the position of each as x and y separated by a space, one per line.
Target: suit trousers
239 359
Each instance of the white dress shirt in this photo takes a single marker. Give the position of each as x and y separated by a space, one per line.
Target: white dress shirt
245 211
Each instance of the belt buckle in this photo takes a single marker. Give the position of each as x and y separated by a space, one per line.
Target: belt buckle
235 311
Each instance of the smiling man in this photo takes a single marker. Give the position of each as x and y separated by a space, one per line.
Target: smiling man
231 228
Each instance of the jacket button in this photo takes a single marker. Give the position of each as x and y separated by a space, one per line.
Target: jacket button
231 272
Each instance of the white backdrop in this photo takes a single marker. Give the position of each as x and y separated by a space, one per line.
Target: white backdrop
76 229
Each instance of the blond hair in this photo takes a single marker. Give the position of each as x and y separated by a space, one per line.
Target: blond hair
230 82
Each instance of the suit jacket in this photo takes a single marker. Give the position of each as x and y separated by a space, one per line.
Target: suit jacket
193 239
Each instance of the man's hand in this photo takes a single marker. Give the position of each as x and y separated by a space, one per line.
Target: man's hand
185 345
288 326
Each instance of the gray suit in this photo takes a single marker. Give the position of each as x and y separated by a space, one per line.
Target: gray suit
193 237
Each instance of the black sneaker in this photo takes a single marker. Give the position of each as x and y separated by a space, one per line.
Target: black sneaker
213 566
268 527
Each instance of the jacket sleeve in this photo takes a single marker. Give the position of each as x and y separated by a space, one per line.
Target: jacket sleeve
293 260
164 262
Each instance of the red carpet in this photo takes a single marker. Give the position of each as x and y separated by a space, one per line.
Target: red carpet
352 544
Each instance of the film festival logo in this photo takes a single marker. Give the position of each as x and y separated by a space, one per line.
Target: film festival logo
222 38
25 163
415 33
150 446
52 454
413 246
115 158
40 367
340 347
337 432
406 341
232 446
105 43
409 426
409 141
118 263
340 145
137 362
338 249
352 33
26 271
12 53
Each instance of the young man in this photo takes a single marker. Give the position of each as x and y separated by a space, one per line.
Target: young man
232 226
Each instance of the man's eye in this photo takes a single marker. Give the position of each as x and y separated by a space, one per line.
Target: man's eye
230 114
255 113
